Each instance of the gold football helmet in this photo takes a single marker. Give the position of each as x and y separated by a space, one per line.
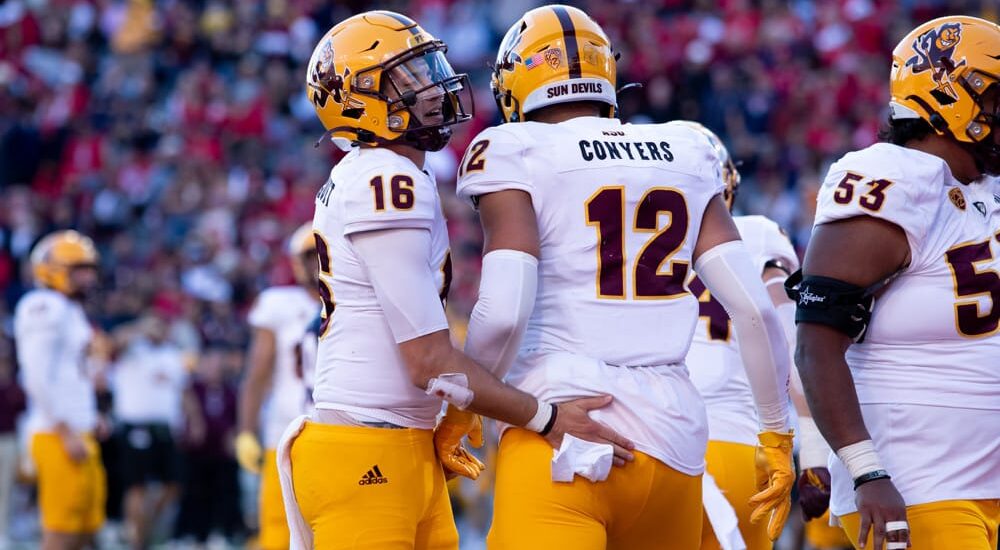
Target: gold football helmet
378 77
57 254
301 249
553 54
940 73
730 175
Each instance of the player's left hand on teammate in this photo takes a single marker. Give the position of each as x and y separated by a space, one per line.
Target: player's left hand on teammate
814 492
775 478
574 418
455 425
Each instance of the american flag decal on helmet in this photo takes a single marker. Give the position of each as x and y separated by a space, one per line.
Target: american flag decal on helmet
534 61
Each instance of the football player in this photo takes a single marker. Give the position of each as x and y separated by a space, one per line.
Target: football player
717 372
591 227
363 471
897 303
53 338
279 318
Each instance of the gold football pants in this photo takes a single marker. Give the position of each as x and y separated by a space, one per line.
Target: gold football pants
732 467
643 505
372 488
71 494
823 536
944 525
273 525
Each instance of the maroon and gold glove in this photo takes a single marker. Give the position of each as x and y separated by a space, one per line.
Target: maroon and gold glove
814 492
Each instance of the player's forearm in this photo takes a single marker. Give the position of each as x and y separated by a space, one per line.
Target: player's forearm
251 397
494 398
258 376
766 360
730 275
432 356
828 385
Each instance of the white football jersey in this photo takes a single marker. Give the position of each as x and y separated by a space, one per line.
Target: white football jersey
359 369
148 382
714 358
619 207
286 311
53 338
934 336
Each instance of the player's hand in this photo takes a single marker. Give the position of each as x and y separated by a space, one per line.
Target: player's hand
104 428
574 418
455 458
878 503
248 452
775 479
814 492
75 446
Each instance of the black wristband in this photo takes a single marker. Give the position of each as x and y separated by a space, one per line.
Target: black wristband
552 421
870 476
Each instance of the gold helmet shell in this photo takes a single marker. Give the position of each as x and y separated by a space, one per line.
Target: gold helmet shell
57 254
301 249
554 54
726 166
940 71
377 77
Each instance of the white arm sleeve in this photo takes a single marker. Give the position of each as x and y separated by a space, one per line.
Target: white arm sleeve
730 276
786 313
507 289
813 449
398 265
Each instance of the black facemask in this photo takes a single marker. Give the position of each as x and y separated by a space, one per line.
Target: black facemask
987 155
429 139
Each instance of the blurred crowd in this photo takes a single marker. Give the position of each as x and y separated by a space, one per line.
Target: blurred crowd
178 135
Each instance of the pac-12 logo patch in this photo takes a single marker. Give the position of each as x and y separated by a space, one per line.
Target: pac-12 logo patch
553 56
957 198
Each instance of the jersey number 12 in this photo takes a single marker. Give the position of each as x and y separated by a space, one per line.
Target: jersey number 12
605 210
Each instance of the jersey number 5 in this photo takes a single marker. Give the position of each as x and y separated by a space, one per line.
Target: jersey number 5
971 283
605 210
